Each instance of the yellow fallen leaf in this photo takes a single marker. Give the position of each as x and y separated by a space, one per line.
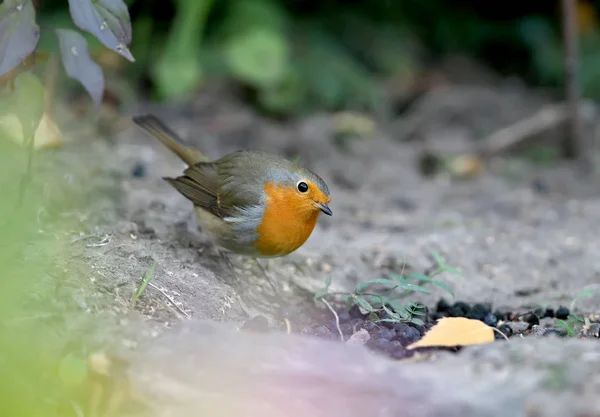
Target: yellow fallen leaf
47 133
456 331
466 166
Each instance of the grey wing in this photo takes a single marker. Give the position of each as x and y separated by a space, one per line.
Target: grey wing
200 184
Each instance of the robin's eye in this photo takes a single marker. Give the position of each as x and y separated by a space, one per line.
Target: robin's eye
302 187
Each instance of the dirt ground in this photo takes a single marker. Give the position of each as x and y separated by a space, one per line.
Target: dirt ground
520 233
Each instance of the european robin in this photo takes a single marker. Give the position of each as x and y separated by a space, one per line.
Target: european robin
248 202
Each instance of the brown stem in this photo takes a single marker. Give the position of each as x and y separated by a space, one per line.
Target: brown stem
573 143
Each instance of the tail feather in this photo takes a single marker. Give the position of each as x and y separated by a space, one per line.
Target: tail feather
152 125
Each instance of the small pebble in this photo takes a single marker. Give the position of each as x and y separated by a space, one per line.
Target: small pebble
537 330
593 330
562 313
359 338
139 170
518 326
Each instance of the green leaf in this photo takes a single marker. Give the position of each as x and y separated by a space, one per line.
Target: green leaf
19 34
417 321
323 292
364 304
148 275
362 285
401 309
421 277
258 56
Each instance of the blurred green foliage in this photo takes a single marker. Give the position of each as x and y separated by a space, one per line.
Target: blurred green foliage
298 55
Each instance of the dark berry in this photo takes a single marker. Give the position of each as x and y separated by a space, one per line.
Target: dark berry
531 319
540 186
438 316
478 312
442 306
491 320
420 328
562 313
396 344
382 345
384 333
460 309
549 313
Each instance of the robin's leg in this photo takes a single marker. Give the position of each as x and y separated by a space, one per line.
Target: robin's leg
230 264
268 276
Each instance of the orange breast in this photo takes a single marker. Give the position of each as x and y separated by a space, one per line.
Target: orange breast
288 221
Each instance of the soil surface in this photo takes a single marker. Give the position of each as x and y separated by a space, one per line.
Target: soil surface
521 234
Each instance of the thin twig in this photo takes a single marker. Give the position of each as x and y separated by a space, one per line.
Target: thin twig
27 177
105 241
337 319
169 299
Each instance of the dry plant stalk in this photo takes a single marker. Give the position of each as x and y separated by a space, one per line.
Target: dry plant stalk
574 144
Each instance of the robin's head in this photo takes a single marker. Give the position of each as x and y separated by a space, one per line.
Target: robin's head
298 189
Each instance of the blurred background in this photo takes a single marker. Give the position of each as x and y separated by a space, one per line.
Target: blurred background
389 60
288 57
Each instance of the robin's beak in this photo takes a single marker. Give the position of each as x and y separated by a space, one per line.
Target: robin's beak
324 208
